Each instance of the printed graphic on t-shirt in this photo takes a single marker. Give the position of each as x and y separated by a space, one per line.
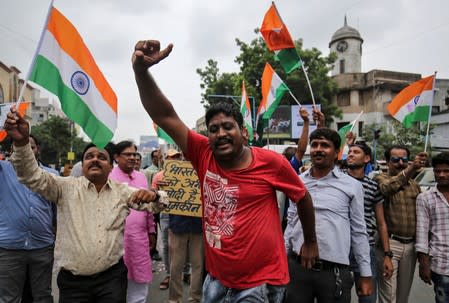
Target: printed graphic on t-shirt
220 201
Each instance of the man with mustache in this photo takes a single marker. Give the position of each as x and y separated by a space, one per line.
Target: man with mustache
338 203
244 250
90 218
432 230
400 192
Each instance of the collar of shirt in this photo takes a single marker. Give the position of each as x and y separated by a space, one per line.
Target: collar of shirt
336 172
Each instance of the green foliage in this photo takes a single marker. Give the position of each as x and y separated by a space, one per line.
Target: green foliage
413 138
252 59
55 139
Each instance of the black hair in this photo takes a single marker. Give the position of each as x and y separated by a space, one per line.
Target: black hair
122 145
138 155
36 141
441 158
153 152
387 152
365 148
227 109
328 134
109 148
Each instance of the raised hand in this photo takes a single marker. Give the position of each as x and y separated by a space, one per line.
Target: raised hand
304 114
17 127
148 53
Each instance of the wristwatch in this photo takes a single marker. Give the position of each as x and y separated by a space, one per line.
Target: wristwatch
388 253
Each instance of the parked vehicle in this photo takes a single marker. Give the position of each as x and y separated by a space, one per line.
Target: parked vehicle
425 178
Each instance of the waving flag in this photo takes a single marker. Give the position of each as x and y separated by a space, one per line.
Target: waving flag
278 39
162 134
65 67
413 103
344 149
273 89
245 109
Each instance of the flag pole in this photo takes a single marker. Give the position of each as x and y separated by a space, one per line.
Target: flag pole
430 113
355 121
308 81
33 61
291 94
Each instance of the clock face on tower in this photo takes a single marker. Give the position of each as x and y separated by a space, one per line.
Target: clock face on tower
342 46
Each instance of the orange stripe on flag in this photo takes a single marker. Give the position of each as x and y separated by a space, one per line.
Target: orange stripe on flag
22 109
274 31
71 42
409 93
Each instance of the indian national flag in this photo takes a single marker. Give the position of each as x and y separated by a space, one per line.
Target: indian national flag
162 134
273 89
245 109
413 103
65 67
343 131
279 40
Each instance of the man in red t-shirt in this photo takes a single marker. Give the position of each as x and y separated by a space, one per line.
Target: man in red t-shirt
244 249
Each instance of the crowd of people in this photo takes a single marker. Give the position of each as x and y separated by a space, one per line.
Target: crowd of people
332 228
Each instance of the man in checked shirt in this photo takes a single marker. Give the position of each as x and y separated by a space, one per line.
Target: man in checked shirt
432 230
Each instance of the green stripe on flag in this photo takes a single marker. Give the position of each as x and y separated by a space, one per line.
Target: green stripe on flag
280 91
421 113
47 75
342 132
289 59
163 135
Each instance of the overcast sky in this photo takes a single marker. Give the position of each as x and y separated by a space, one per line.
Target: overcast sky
406 35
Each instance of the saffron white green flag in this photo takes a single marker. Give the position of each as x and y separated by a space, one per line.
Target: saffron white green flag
273 89
245 109
65 67
413 103
342 132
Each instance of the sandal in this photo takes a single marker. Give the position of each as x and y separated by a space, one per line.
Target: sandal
165 283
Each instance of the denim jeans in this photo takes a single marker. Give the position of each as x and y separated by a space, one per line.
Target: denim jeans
215 292
441 287
355 270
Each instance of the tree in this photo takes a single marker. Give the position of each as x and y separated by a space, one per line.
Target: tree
252 59
55 139
413 138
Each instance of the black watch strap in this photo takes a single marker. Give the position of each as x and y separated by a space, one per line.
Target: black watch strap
388 253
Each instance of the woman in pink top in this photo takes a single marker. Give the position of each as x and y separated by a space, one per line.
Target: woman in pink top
139 226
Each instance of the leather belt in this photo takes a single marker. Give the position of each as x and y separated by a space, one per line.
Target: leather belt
319 264
403 240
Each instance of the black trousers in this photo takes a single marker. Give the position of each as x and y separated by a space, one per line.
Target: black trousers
308 285
107 286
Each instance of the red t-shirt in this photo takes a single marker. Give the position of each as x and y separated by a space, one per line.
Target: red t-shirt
244 246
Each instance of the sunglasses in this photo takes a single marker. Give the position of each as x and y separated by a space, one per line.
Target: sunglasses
397 159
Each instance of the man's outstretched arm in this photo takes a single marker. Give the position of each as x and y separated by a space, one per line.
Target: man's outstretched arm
146 54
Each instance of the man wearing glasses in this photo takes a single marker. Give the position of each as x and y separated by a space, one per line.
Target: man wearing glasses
400 192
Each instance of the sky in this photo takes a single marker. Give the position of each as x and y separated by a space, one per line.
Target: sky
399 35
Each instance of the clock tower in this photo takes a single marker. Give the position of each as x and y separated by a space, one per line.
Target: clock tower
347 44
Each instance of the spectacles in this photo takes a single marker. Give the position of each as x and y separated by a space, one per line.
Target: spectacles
397 159
128 155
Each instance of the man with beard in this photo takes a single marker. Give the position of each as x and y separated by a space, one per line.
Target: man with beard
432 230
400 192
90 218
245 255
338 203
358 156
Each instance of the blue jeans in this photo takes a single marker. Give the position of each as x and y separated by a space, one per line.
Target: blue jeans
215 292
355 270
441 287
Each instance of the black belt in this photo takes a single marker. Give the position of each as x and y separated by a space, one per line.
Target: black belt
320 264
403 240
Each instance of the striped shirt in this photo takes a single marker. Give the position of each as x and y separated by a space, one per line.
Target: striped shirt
371 197
432 229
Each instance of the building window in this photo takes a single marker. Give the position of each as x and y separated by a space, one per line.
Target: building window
343 99
342 66
435 109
